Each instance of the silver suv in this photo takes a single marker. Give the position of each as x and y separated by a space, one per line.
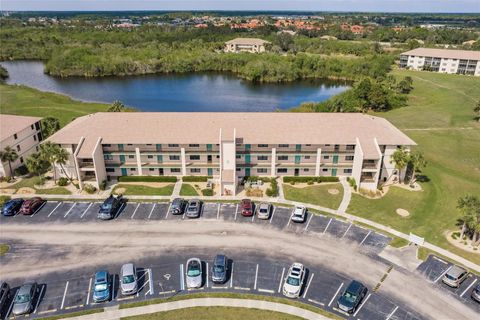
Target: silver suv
263 211
128 279
455 276
193 208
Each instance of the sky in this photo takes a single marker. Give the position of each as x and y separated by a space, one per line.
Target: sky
469 6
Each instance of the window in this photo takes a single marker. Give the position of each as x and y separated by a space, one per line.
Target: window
262 170
149 144
133 169
350 147
195 170
173 145
31 126
18 147
308 145
174 157
150 157
195 157
263 145
307 157
238 156
15 136
347 170
327 145
175 170
34 138
282 157
110 169
349 158
194 145
107 145
282 170
239 169
326 157
324 170
262 158
283 145
21 159
129 144
36 148
37 125
151 169
107 157
306 170
131 157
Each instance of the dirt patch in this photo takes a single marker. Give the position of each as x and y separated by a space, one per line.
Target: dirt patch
465 245
26 190
333 191
120 190
402 212
91 244
8 191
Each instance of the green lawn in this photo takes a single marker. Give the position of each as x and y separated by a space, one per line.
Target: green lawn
212 313
32 181
21 100
453 155
4 248
132 190
188 190
316 194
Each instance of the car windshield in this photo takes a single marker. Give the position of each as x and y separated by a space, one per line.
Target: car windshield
193 270
350 297
449 276
100 287
263 210
218 268
107 206
128 279
22 298
293 281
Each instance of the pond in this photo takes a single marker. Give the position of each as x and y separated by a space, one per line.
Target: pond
177 92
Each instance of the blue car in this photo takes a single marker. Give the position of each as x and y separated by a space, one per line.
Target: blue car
102 287
11 207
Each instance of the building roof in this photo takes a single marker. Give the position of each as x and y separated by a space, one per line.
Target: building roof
10 124
250 127
444 53
247 41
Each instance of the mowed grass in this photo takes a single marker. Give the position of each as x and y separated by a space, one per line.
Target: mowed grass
188 190
129 190
316 194
32 181
442 105
4 248
214 313
22 100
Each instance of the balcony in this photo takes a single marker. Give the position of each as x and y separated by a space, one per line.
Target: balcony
369 165
86 165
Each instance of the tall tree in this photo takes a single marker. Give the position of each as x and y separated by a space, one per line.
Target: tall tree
47 153
417 161
469 205
50 125
9 155
61 158
400 159
117 106
35 164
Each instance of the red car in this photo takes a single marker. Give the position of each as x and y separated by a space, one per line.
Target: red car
30 206
246 207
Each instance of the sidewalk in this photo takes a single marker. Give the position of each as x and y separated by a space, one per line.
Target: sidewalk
112 314
347 195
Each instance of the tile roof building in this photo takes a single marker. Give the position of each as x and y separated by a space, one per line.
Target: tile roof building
252 45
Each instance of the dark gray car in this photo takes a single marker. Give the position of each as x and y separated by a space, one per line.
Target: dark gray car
178 206
23 301
219 269
193 208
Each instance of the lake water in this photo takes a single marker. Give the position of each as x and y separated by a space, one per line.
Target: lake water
177 92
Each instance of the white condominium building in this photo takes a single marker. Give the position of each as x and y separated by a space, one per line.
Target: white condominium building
252 45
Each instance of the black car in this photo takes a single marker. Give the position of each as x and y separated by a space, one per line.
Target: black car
178 206
11 207
219 269
110 207
352 297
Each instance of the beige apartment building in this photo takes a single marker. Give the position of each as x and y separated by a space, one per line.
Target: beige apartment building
230 146
23 134
442 60
252 45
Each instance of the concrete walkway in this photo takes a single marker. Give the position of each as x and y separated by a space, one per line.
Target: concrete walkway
176 189
112 314
347 195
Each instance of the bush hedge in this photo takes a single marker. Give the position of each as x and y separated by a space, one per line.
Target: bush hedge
103 185
273 190
147 179
207 192
88 188
21 171
62 181
196 178
307 179
4 199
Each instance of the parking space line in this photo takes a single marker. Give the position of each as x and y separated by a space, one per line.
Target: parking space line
266 290
218 211
89 291
185 211
151 211
256 277
392 313
150 282
126 298
38 299
346 231
39 208
281 280
253 216
182 281
308 223
316 302
169 206
289 220
74 307
308 285
51 212
438 259
231 277
135 211
444 273
242 288
47 311
64 295
215 287
236 210
335 295
207 275
66 214
9 309
145 271
468 288
84 212
273 213
329 221
370 231
361 306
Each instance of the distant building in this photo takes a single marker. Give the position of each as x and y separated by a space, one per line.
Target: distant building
22 134
253 45
442 60
290 32
328 38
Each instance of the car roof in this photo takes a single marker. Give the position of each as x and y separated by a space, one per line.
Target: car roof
192 260
25 288
456 271
128 268
354 287
101 274
177 200
264 204
219 258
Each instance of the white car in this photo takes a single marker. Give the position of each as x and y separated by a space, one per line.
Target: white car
299 214
294 281
194 273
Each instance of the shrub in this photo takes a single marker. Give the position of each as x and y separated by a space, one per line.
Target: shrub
254 192
39 181
88 188
62 181
195 178
273 190
306 179
310 182
21 171
4 199
147 179
207 192
103 185
6 179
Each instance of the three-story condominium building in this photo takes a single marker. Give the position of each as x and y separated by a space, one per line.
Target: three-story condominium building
252 45
230 146
442 60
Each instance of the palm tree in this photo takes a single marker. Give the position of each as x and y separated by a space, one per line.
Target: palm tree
417 161
61 158
470 207
400 159
117 106
47 153
35 164
9 155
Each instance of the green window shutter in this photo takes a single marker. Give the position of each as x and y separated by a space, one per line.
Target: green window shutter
334 172
120 147
122 158
210 172
248 146
298 147
209 147
247 158
297 159
247 172
335 159
124 171
160 158
159 147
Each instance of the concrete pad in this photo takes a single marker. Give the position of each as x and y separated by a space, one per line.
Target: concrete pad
405 257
